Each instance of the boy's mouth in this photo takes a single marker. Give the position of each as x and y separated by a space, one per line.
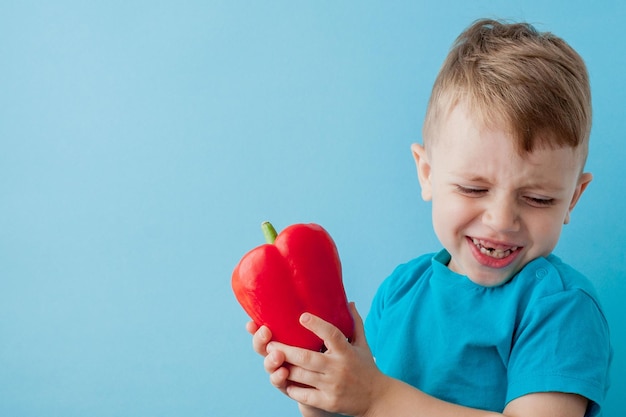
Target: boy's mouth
493 250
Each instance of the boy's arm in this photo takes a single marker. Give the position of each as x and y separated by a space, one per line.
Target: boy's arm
345 380
402 400
315 412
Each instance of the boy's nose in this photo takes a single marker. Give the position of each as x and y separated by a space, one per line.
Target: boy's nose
502 216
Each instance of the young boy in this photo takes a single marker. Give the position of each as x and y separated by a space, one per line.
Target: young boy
494 323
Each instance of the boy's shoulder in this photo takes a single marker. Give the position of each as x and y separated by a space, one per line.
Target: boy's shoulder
406 276
414 267
550 281
552 275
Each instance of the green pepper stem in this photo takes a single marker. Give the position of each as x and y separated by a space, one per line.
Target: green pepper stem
269 232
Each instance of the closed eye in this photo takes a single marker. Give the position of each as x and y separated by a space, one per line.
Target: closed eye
471 191
539 202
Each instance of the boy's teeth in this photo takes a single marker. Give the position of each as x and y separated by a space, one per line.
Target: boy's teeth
494 253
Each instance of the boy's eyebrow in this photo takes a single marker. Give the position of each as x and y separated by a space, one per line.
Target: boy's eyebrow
466 176
549 187
478 178
544 186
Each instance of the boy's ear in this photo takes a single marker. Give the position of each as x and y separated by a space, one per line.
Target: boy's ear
423 170
583 182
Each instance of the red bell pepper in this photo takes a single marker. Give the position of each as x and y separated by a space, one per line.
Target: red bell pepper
295 272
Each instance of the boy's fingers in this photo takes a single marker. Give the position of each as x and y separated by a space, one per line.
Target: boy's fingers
304 395
331 335
359 331
251 327
279 378
305 358
260 339
273 361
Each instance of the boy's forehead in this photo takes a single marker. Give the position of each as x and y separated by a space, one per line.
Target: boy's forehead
452 112
458 112
457 122
462 127
469 145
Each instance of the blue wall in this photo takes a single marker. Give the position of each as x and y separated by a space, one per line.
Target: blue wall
143 142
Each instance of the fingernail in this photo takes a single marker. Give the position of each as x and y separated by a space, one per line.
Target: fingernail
305 317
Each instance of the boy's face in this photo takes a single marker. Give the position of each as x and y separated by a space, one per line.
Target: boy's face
495 210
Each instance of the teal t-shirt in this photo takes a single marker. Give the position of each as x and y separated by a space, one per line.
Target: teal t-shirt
482 347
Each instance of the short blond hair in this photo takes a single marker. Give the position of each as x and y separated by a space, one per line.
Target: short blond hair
510 74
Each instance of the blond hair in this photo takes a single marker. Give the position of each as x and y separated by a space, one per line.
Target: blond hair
509 74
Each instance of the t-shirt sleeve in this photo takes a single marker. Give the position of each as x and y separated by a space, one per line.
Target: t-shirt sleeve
562 345
372 320
392 289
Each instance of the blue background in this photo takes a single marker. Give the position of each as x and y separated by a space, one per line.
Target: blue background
143 142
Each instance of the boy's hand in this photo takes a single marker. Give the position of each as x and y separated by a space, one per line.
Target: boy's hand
274 362
260 337
344 379
275 365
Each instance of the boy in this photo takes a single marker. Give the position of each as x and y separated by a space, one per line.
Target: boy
494 323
